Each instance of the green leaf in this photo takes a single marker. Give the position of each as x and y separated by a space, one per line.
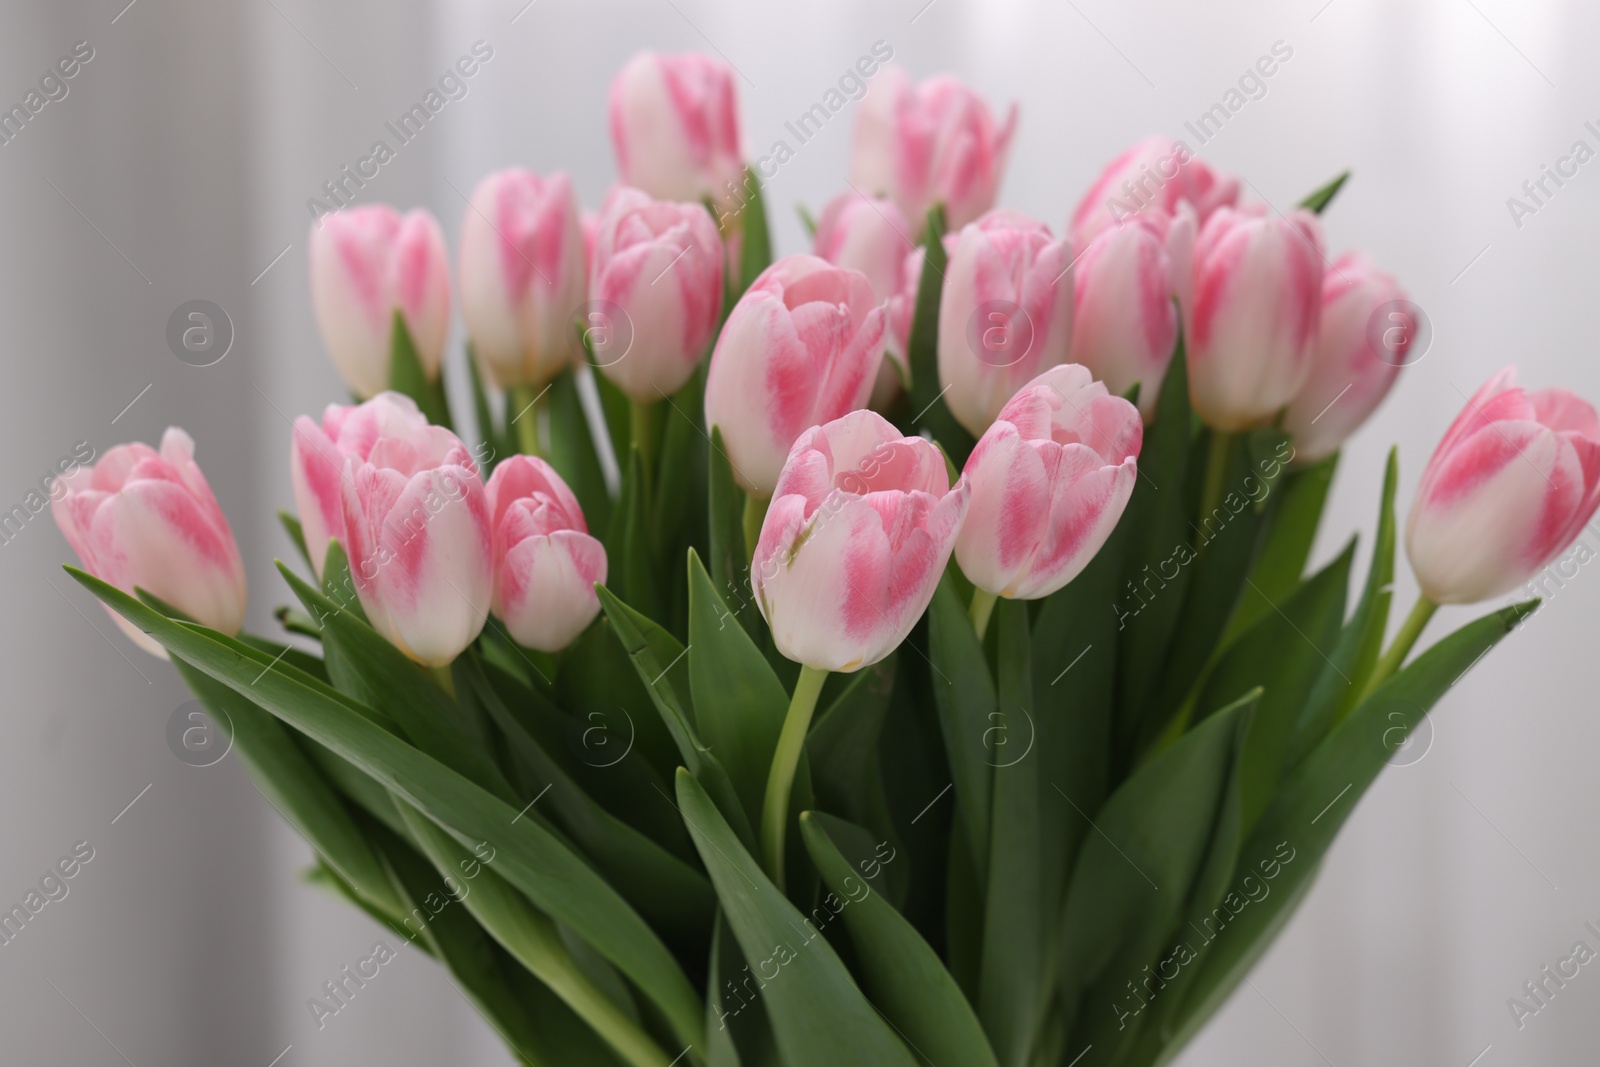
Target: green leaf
1318 201
842 746
903 976
599 685
572 449
681 492
964 698
1290 533
628 540
755 254
534 860
729 558
297 536
819 1017
493 438
807 219
922 348
407 376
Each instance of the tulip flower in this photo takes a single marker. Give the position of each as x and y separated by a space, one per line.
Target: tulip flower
675 126
417 521
545 563
1049 480
366 264
801 347
522 276
1152 177
661 263
857 536
871 235
1124 320
317 461
933 143
1251 323
1357 357
148 519
1005 314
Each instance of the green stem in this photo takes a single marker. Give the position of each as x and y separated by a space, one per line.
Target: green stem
780 780
445 679
1410 630
755 512
1218 461
980 609
525 400
642 428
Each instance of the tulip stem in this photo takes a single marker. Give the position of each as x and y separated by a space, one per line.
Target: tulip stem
642 428
1410 630
780 780
445 679
755 513
1219 459
980 609
524 399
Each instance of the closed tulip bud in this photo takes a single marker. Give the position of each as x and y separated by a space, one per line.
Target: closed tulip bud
661 263
1124 318
148 519
366 264
801 347
933 143
856 538
675 126
522 276
1251 325
872 236
1049 480
545 563
417 522
317 460
1005 315
1515 478
1358 356
1153 176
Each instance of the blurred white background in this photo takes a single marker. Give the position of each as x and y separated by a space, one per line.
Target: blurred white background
178 167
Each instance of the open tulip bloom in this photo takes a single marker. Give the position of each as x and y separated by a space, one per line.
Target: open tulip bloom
999 724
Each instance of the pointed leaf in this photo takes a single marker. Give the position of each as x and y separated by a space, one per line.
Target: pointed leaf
407 376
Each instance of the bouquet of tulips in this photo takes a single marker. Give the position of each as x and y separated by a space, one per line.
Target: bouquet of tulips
899 653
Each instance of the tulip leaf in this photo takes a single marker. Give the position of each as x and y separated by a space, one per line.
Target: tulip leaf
904 977
729 558
494 440
533 859
1291 530
614 406
1317 797
628 542
842 746
297 536
572 449
599 685
807 219
964 698
922 348
819 1017
407 376
755 251
680 496
1318 201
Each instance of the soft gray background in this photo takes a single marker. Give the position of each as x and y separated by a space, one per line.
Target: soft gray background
191 142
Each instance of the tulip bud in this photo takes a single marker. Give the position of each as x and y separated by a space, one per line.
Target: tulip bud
933 143
317 461
1049 479
675 126
147 519
522 276
873 237
856 538
801 347
1251 325
545 563
1005 315
661 263
1515 478
417 522
1152 177
1124 319
1353 368
366 264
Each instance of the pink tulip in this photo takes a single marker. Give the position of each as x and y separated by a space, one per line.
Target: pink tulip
147 519
545 563
1152 177
417 522
1005 315
854 542
661 263
522 276
1050 479
1515 478
675 126
366 264
1124 319
1251 325
933 143
873 237
1349 376
801 347
317 461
